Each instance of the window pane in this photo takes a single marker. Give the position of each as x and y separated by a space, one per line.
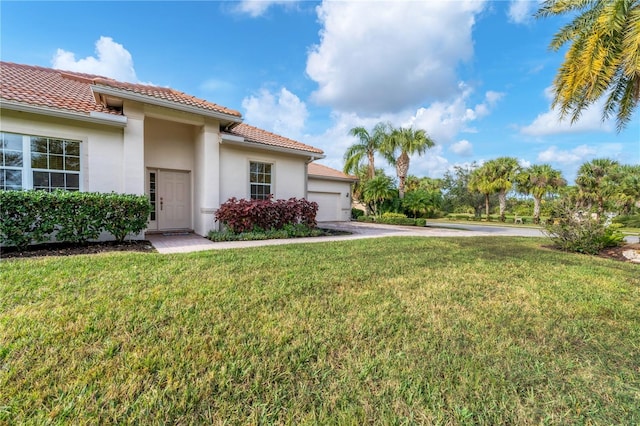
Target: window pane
40 179
267 168
56 146
13 158
56 162
38 144
72 148
13 177
39 161
253 168
72 163
57 180
73 181
11 141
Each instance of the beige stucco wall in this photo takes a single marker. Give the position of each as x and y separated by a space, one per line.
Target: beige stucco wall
168 145
101 148
288 172
341 189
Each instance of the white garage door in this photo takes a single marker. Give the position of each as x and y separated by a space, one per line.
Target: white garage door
328 205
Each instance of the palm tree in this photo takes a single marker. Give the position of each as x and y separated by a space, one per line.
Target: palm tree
404 142
377 190
597 181
481 181
603 59
539 180
495 176
367 146
628 194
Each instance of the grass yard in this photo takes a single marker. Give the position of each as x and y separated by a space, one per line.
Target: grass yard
380 331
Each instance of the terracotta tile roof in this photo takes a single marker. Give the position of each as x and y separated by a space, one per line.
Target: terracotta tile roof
45 87
71 91
253 134
320 170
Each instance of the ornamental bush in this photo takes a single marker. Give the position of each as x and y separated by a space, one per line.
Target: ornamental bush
246 215
32 217
571 231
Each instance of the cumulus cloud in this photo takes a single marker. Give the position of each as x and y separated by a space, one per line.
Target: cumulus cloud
444 120
255 8
521 11
282 113
377 57
579 154
462 148
549 123
112 60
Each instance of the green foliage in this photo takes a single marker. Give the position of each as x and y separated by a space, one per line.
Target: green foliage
628 221
572 231
288 231
29 217
356 213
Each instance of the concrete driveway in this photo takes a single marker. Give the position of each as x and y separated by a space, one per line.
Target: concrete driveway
357 230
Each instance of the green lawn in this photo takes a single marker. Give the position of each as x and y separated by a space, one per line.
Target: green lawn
382 331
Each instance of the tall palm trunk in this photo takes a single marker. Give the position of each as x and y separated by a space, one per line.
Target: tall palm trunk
502 198
536 209
486 205
402 168
372 168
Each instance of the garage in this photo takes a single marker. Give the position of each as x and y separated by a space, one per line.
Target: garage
331 189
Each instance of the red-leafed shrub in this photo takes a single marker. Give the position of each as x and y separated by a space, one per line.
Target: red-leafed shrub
247 215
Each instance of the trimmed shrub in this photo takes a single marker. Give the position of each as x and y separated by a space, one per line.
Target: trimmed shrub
421 222
246 215
31 217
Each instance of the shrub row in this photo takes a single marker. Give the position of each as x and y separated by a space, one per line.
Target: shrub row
289 231
246 215
31 217
393 219
492 218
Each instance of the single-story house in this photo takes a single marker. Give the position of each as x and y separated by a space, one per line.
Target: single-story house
81 132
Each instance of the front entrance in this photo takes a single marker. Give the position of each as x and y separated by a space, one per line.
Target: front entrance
170 196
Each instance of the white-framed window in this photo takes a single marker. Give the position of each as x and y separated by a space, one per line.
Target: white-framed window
37 162
260 179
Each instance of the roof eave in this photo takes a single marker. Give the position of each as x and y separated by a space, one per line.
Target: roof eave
241 141
336 178
92 117
126 94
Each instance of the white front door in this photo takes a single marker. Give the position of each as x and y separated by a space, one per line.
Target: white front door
173 200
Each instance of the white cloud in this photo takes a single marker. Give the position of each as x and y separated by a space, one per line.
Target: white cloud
255 8
282 113
580 154
462 148
549 123
521 11
444 120
573 156
113 60
377 57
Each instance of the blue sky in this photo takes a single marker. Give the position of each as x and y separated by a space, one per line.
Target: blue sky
476 75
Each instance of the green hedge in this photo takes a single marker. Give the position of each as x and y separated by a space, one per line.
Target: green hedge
31 217
393 219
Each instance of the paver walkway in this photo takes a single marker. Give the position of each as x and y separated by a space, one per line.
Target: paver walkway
186 243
